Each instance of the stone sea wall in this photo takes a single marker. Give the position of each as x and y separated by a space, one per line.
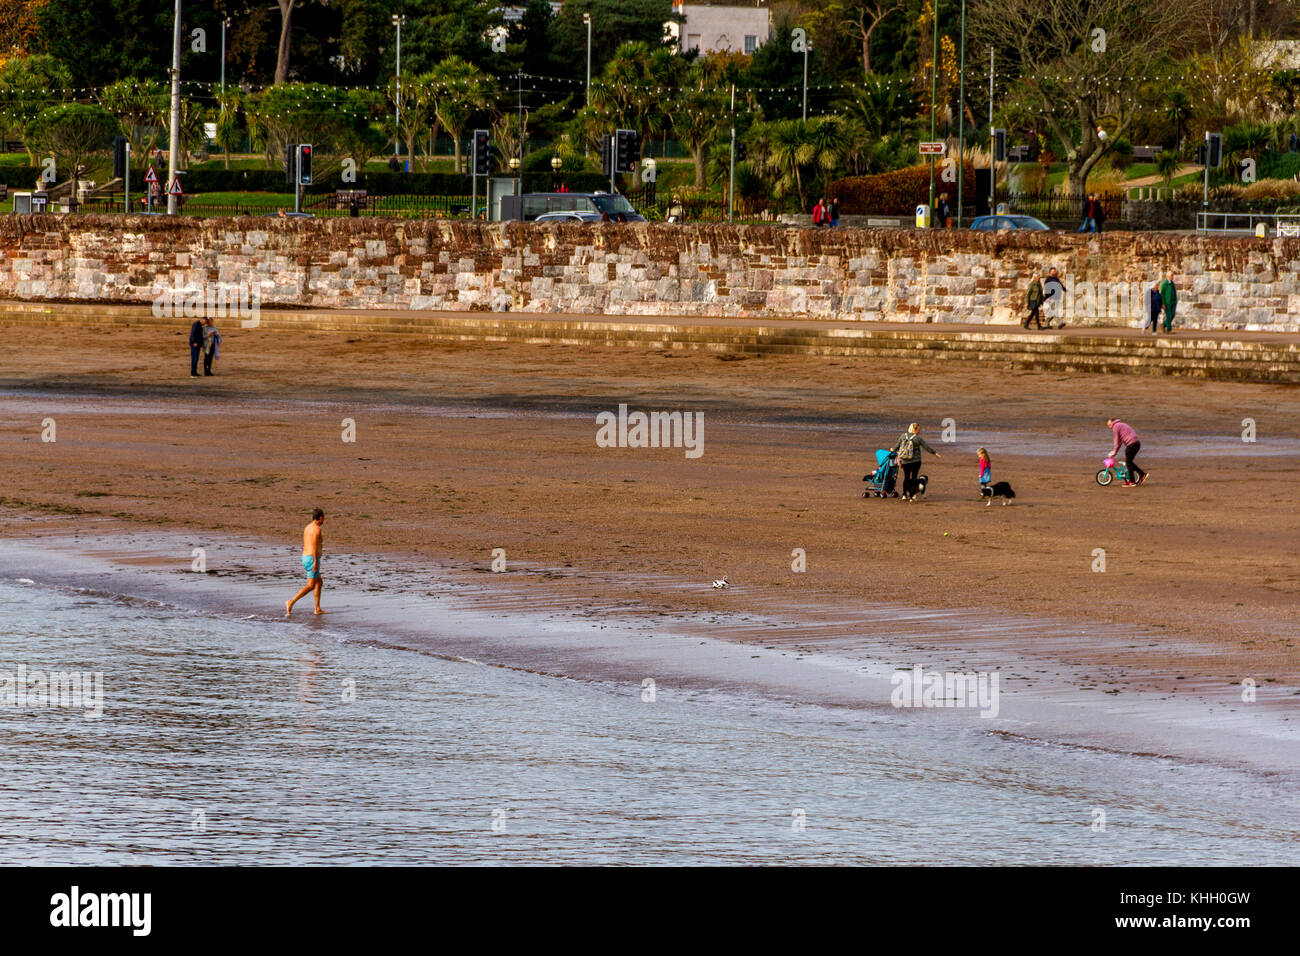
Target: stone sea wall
661 270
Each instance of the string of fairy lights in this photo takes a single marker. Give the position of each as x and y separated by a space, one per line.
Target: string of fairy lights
301 100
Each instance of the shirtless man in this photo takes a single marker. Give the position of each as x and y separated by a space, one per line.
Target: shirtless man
311 550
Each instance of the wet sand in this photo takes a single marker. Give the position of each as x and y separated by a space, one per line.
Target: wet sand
461 449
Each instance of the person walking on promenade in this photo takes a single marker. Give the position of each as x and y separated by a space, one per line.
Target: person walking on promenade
943 213
1126 438
1169 296
819 213
312 542
835 213
1034 300
908 448
196 346
1054 298
211 345
1093 216
1154 305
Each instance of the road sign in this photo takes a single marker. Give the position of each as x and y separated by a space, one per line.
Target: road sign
934 149
175 188
151 176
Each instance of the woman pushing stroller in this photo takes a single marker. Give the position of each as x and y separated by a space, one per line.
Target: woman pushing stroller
908 448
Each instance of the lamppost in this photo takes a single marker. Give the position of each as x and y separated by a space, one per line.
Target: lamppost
174 135
807 45
224 23
934 77
961 113
556 165
398 20
586 18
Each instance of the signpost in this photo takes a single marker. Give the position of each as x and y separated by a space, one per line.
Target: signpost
151 180
938 148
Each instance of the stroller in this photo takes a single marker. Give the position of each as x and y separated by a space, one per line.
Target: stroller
881 482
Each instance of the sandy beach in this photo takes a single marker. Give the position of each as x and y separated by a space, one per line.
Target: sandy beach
463 449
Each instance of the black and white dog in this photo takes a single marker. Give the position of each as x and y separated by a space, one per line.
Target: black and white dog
999 489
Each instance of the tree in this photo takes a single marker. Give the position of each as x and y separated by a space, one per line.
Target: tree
1168 163
613 23
142 109
71 132
784 150
28 85
1077 61
700 111
293 113
460 89
101 41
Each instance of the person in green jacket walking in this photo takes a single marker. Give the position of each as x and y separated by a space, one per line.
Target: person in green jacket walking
1035 302
909 447
1169 296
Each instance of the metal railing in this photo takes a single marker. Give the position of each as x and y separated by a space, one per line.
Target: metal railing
1245 223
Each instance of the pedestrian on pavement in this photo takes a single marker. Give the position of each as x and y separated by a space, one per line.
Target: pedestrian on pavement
1034 299
1093 215
1169 296
1154 305
1054 298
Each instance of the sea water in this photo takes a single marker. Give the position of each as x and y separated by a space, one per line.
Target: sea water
231 741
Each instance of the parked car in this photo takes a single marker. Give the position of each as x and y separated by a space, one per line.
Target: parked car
568 217
605 205
999 223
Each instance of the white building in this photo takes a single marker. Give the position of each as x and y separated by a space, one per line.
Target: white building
717 27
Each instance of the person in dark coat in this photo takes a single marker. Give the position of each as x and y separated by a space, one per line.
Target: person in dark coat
1093 214
1154 305
196 346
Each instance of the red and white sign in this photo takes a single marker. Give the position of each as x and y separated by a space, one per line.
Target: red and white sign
175 188
933 149
151 176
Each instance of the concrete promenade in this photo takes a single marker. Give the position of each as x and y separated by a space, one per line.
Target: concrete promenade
1225 355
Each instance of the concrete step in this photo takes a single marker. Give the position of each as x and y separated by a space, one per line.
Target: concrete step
1193 354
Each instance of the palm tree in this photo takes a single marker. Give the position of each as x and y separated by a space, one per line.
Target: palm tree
461 89
1178 110
1167 165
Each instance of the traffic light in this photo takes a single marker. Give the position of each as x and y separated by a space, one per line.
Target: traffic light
482 153
290 172
1200 155
304 164
121 156
606 154
627 150
999 145
1214 149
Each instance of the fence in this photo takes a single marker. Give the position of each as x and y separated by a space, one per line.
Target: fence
1048 207
410 207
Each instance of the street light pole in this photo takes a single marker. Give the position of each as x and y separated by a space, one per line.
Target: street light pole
993 166
731 191
806 47
174 146
398 20
961 114
586 18
934 91
224 23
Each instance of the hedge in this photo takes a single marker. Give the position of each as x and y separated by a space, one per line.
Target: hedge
896 193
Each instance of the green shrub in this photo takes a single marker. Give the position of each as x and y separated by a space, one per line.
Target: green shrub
897 193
